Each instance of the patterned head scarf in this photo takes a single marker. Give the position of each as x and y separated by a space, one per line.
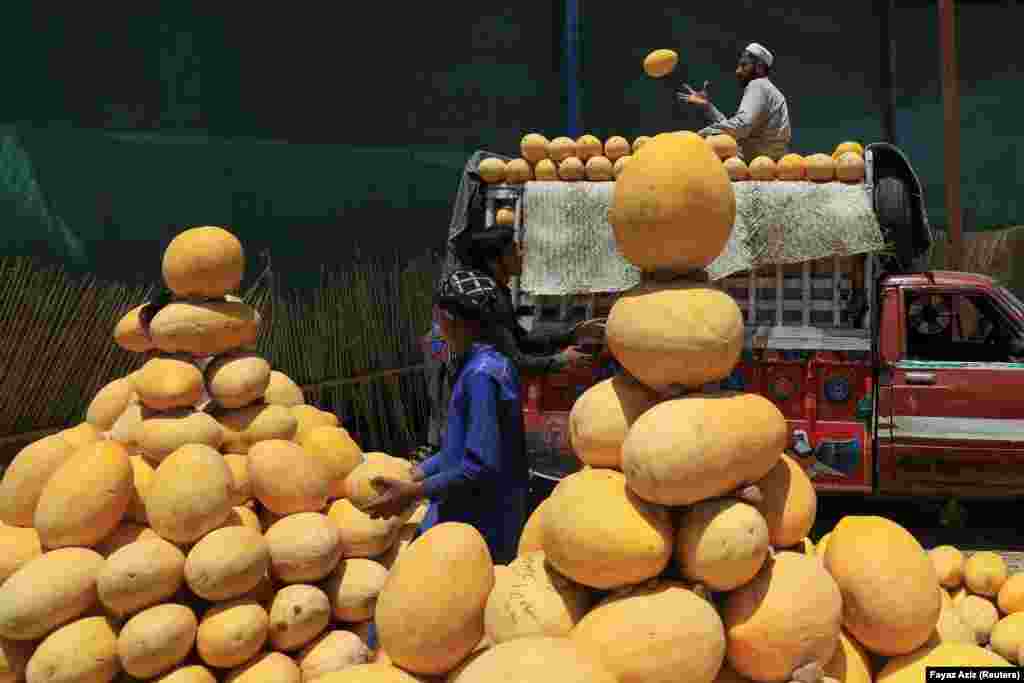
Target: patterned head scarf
468 294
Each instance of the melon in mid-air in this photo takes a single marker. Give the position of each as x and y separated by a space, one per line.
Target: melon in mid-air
660 63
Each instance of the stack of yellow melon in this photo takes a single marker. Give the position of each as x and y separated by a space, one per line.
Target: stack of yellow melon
845 164
562 158
203 522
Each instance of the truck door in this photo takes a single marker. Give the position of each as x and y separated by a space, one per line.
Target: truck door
952 418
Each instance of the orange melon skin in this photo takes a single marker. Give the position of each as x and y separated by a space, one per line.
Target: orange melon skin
601 417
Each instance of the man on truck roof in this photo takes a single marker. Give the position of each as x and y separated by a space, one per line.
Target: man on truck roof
761 124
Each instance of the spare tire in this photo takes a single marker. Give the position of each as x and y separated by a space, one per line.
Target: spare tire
895 212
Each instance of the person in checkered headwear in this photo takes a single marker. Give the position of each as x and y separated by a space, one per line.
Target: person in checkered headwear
479 476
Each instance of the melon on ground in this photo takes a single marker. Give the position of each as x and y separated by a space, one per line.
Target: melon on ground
560 149
530 598
985 573
533 147
545 169
723 145
203 262
257 422
353 588
86 497
82 651
599 168
231 633
129 333
673 207
156 640
18 545
337 451
820 168
737 169
48 591
26 476
237 379
592 513
601 417
791 167
109 402
534 660
204 328
652 633
304 547
850 168
518 171
286 479
763 168
910 668
162 433
721 543
949 565
789 616
676 334
789 502
331 652
298 614
430 614
188 673
659 63
588 146
980 615
139 575
270 666
702 446
190 495
571 168
1010 598
1007 637
890 607
361 535
282 390
379 671
616 147
227 563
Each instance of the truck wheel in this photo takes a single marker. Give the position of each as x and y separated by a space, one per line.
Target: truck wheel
894 210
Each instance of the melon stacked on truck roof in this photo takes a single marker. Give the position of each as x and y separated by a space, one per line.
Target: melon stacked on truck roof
561 158
845 164
203 523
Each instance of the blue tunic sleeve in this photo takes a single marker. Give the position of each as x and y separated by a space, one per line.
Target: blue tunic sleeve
431 465
480 458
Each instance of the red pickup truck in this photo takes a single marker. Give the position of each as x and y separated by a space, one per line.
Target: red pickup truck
907 389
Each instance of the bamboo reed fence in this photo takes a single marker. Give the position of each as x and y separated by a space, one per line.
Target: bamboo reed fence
351 343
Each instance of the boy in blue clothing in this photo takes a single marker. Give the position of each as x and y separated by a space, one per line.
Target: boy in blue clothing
480 476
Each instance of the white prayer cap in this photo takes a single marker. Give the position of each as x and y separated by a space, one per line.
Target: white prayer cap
761 52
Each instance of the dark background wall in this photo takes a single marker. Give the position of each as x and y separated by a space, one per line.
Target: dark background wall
318 134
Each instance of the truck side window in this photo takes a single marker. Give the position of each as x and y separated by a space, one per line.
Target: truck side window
956 328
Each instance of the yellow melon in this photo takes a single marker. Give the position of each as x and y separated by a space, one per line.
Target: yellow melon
530 598
505 217
891 608
193 673
958 595
789 503
659 63
588 146
737 169
204 328
616 147
361 535
255 423
48 591
571 168
287 479
125 533
86 497
1010 599
822 545
532 660
26 476
763 168
721 543
546 170
851 662
592 513
820 168
492 170
652 633
601 417
270 666
231 633
227 563
379 671
169 382
1007 637
203 262
910 668
140 575
701 446
237 379
406 533
949 565
156 640
282 391
620 164
673 208
561 148
241 486
304 547
951 628
359 486
308 417
109 402
518 171
298 614
161 433
844 147
339 453
129 333
723 145
791 167
81 435
190 494
431 631
142 476
850 168
789 616
84 651
18 545
533 147
598 169
127 428
331 652
980 615
353 588
640 142
677 333
531 539
985 573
